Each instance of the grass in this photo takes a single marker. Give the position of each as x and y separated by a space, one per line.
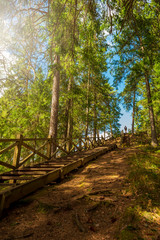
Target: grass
145 179
142 219
44 207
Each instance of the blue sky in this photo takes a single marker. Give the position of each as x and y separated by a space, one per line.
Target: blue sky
126 118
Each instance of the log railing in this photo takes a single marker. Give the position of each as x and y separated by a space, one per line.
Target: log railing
26 151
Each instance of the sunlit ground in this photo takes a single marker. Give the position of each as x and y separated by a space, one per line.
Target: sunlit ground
145 185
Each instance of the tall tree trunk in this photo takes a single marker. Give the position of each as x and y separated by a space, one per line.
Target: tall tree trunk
110 125
154 141
97 133
133 113
87 108
70 84
55 102
70 126
109 116
69 130
55 88
94 117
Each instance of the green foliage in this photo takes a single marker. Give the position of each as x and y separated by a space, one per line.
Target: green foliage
145 178
136 47
144 183
75 31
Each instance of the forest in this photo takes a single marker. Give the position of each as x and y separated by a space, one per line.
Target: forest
67 171
54 59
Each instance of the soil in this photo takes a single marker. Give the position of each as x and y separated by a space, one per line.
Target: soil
87 204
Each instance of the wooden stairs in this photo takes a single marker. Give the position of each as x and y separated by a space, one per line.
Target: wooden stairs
20 182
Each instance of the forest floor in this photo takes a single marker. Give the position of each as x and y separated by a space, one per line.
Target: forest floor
97 202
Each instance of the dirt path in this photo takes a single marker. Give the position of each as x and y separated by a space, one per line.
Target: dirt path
87 205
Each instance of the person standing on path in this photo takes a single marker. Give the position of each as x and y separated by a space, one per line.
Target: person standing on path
125 128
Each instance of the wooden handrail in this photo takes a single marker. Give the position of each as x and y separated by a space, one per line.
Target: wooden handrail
35 151
32 154
8 148
7 165
77 144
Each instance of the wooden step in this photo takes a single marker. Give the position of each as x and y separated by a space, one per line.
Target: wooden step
8 184
15 178
47 169
25 172
55 170
53 165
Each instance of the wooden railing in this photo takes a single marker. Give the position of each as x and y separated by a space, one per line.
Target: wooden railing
26 151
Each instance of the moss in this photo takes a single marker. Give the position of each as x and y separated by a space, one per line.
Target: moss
44 208
129 233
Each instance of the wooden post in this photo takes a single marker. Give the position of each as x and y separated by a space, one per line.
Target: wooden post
94 142
88 143
85 145
17 151
17 154
68 145
33 158
49 146
97 141
80 144
92 145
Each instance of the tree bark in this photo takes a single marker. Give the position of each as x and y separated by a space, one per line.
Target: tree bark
87 108
94 117
69 130
70 84
110 125
55 102
154 141
133 113
109 116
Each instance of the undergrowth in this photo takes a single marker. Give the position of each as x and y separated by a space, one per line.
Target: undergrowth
142 219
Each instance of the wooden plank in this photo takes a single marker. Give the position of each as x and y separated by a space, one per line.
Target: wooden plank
88 158
20 173
7 165
8 140
68 168
32 154
92 143
38 169
25 159
17 151
15 178
34 150
49 147
76 146
59 161
52 165
59 147
14 194
8 184
8 148
33 139
73 148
